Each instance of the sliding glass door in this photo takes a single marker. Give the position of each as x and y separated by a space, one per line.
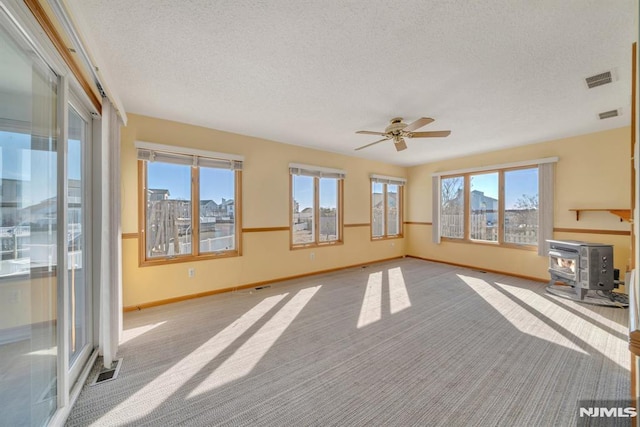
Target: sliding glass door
43 347
28 228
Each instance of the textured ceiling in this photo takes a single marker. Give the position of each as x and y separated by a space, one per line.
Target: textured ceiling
497 73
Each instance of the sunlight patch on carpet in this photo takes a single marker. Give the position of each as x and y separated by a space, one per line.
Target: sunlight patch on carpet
371 310
129 334
151 396
590 334
588 311
245 358
398 295
518 316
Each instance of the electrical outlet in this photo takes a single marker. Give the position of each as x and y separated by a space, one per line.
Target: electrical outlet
191 272
312 256
393 244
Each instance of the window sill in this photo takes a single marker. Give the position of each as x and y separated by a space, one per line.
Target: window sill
491 244
188 258
398 236
315 245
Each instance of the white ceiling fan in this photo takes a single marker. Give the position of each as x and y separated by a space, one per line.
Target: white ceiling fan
398 130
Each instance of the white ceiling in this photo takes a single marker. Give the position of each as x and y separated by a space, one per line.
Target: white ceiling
497 73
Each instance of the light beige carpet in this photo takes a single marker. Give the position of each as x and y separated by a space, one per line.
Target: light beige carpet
406 342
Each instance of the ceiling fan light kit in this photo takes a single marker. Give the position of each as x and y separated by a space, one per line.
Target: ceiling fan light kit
400 144
398 130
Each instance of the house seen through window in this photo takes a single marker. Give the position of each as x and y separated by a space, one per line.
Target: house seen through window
316 206
496 206
189 199
386 206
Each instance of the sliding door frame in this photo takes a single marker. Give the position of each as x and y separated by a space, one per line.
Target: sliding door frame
70 92
87 232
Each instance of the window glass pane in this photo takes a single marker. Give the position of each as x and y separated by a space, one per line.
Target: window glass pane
217 210
377 207
393 224
168 210
75 236
328 209
483 206
28 227
521 206
303 205
452 207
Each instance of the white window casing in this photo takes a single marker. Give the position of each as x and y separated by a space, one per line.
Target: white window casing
316 171
382 179
152 152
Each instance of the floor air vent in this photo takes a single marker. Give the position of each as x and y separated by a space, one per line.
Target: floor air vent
108 374
608 114
599 80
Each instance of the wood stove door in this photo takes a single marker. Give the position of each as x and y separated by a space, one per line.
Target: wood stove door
563 264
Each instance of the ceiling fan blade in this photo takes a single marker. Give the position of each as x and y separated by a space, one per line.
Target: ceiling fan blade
433 134
400 144
368 132
418 124
369 145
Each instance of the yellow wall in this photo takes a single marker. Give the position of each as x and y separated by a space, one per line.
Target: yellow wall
593 172
265 203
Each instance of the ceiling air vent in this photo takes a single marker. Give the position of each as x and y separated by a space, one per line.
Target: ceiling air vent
599 80
608 114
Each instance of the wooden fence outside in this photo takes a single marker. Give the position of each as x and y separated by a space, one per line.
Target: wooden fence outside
521 234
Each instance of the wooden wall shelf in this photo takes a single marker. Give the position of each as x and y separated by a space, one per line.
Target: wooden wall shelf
623 214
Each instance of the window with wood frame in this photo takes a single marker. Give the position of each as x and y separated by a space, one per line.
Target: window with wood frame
190 204
316 205
386 206
510 205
